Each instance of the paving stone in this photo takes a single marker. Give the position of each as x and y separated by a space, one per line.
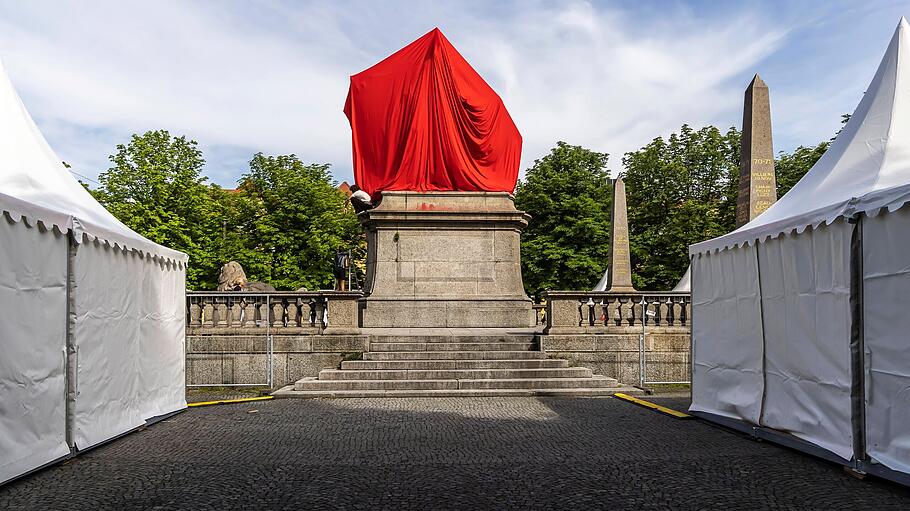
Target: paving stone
443 453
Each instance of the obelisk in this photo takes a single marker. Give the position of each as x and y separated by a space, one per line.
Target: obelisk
757 185
620 275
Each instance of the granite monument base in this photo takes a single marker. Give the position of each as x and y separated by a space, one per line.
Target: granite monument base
444 260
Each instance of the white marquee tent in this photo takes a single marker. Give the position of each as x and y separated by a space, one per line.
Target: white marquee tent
800 317
91 313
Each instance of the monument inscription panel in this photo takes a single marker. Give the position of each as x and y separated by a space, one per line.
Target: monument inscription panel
757 183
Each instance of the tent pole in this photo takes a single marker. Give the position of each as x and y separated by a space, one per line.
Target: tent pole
857 343
764 341
691 331
72 357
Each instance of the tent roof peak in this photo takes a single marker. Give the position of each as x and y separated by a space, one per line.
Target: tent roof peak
866 167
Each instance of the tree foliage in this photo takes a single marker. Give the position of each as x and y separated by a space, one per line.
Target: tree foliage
790 168
286 218
155 186
282 224
569 195
293 220
679 191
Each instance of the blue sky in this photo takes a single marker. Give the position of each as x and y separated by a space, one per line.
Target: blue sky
271 76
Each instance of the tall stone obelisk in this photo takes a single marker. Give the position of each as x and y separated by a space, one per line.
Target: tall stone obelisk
620 275
757 185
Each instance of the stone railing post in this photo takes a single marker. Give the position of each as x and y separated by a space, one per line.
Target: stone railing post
563 313
343 315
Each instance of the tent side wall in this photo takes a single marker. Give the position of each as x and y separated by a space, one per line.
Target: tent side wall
726 334
886 336
807 377
162 330
33 346
129 339
805 290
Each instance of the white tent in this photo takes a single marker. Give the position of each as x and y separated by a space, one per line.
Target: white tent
91 313
602 283
685 283
799 317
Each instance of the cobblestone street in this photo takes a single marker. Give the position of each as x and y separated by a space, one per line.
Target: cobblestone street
491 453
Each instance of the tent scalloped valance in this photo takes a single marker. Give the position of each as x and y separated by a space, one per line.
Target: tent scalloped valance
63 224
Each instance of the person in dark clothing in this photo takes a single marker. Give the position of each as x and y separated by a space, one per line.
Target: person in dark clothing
360 199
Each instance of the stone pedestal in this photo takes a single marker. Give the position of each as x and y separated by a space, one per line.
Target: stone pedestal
444 259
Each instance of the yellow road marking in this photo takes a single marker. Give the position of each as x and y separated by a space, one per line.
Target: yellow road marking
647 404
227 401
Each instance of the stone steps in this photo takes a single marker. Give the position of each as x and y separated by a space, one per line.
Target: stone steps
454 374
315 384
483 362
462 338
427 365
453 355
450 346
574 392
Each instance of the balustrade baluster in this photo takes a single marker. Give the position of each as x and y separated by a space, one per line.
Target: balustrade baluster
236 313
587 308
277 317
319 313
249 314
293 313
220 312
264 314
208 314
195 313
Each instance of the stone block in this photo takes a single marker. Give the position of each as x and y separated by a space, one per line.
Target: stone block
568 342
203 369
280 374
245 368
343 315
295 343
301 365
340 343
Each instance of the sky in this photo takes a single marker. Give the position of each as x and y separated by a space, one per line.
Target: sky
242 77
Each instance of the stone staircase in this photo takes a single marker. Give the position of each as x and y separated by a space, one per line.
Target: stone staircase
419 363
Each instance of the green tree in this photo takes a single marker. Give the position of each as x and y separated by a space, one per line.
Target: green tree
156 187
293 219
568 194
679 191
790 168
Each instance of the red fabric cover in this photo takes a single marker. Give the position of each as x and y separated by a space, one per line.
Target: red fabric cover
424 120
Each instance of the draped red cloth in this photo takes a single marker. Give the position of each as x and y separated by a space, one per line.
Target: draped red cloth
424 120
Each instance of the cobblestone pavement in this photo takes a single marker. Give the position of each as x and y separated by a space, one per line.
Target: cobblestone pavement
478 453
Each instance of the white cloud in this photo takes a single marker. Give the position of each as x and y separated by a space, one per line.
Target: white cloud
272 76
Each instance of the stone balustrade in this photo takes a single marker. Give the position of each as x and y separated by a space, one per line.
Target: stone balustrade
311 312
269 339
575 312
633 336
240 338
